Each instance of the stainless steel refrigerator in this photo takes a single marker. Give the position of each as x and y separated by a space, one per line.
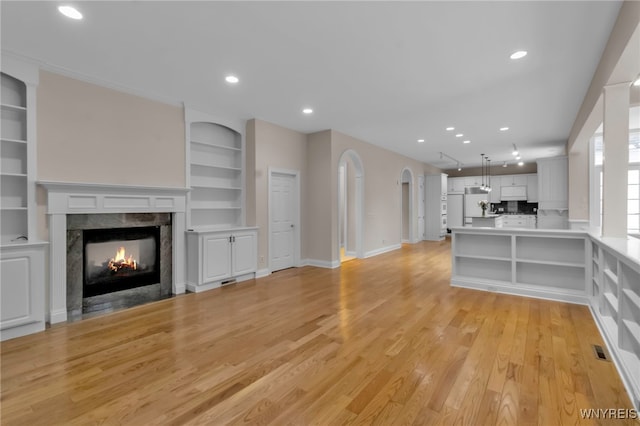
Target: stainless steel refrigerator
472 197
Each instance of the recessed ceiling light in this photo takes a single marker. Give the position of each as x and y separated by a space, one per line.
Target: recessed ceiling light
459 135
232 79
504 129
307 111
466 141
420 140
519 54
70 12
450 129
520 163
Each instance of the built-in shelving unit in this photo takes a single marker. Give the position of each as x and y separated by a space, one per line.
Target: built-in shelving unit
615 301
22 257
15 188
529 262
215 164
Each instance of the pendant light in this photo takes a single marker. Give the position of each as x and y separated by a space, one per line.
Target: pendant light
488 175
482 165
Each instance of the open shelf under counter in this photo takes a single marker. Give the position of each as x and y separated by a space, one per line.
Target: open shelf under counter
514 257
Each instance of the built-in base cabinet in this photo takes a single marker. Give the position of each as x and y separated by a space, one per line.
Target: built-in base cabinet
216 257
22 289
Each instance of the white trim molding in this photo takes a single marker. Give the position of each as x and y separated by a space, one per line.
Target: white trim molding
321 263
65 198
382 250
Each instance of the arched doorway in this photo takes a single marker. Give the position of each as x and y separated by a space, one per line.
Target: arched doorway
350 205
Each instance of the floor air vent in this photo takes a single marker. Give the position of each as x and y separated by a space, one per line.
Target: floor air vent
600 352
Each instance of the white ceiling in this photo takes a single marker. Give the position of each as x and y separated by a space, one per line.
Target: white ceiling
388 73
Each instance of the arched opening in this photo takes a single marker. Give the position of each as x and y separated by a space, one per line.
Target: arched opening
350 205
406 206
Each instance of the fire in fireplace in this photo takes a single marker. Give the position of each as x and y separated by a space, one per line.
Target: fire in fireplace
120 258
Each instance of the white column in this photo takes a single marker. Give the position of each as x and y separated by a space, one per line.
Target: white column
179 252
616 160
58 268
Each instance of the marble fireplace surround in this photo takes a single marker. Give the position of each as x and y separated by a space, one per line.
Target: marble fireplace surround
68 198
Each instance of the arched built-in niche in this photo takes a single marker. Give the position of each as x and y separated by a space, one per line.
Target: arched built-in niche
350 203
406 206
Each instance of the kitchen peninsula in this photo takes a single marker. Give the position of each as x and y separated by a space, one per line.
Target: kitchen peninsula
489 220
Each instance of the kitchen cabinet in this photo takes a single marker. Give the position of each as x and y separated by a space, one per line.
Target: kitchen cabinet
216 256
553 183
436 206
532 188
527 221
514 180
472 180
494 195
456 185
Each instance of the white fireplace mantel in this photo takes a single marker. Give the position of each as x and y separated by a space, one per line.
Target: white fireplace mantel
65 198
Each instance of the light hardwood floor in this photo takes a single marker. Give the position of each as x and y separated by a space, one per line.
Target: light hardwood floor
384 340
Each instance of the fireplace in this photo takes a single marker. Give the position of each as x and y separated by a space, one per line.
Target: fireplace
118 259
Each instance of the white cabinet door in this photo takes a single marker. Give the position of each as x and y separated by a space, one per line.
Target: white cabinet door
553 183
244 249
494 195
532 188
458 184
443 184
216 254
472 181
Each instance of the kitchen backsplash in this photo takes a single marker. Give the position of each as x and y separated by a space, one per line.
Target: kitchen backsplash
521 207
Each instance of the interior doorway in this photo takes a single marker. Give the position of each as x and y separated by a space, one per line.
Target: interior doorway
284 219
350 206
406 206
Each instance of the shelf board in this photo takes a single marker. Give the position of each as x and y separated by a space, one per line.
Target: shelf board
230 148
471 256
213 166
13 208
18 108
596 282
231 188
612 300
549 262
633 298
215 208
611 276
634 328
13 140
20 175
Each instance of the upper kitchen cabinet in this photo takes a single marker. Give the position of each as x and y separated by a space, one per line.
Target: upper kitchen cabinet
456 185
494 195
532 188
514 180
553 183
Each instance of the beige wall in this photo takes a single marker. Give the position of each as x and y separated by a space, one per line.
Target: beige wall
88 133
273 146
322 187
382 191
619 62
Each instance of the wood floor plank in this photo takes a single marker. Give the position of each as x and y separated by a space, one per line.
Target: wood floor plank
384 340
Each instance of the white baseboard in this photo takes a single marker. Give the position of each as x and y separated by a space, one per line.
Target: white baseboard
381 250
261 273
22 330
546 294
320 263
179 289
194 288
57 316
350 253
629 377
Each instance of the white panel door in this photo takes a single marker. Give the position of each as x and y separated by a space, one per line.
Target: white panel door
217 257
421 201
283 217
244 252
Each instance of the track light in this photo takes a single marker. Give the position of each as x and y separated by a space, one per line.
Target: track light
515 150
